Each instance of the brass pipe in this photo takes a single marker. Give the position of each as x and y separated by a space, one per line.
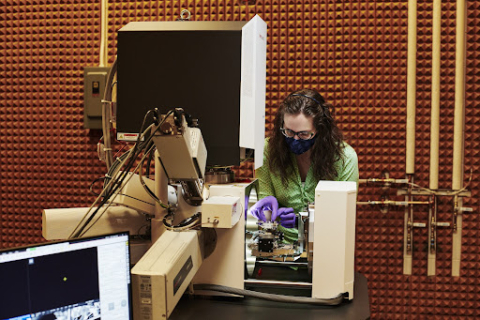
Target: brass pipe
458 132
411 85
435 107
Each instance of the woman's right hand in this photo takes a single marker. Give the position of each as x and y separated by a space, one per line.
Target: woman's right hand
268 203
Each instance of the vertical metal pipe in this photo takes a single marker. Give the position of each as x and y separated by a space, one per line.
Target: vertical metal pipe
408 234
432 238
411 85
410 143
434 131
435 115
103 33
459 121
459 130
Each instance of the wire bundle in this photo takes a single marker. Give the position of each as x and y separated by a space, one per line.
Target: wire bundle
118 176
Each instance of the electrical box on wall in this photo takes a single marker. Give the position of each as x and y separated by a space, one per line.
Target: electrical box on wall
94 80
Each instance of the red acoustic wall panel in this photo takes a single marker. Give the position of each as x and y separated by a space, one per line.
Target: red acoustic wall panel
353 52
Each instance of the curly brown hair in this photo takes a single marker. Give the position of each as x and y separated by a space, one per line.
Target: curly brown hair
328 147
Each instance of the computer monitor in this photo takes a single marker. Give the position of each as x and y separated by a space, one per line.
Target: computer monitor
86 278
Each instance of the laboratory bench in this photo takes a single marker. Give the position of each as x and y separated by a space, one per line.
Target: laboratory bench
246 308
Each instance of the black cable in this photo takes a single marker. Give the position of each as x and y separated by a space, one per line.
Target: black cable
93 183
149 163
167 216
113 169
188 220
183 223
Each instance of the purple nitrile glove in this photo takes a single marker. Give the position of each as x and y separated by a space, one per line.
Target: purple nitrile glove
268 203
288 218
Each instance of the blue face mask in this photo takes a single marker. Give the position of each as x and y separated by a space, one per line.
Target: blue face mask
299 146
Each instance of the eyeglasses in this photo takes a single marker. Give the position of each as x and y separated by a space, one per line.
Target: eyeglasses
303 135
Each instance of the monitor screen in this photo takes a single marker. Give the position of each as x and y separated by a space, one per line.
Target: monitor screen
86 278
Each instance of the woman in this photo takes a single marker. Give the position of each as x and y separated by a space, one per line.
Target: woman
306 146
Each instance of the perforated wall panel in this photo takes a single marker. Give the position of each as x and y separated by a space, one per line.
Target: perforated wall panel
354 52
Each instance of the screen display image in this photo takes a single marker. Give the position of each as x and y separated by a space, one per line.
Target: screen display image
79 279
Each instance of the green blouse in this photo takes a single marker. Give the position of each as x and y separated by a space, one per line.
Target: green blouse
298 195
